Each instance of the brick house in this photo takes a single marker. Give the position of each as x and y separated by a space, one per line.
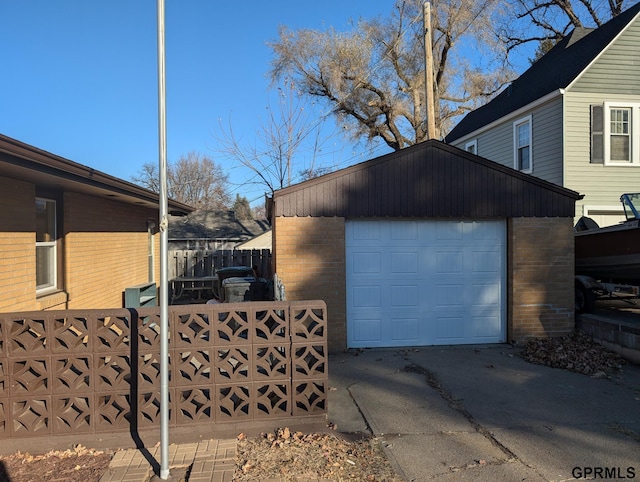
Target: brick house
429 245
71 237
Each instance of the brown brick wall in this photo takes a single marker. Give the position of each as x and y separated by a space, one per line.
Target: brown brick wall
17 245
309 258
541 269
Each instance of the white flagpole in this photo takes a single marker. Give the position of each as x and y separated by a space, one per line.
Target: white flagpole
164 238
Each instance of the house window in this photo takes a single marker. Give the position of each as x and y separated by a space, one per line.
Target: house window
46 256
622 133
620 143
472 146
523 160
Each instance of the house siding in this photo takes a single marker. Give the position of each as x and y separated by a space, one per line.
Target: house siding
612 77
541 303
617 69
547 142
602 185
496 144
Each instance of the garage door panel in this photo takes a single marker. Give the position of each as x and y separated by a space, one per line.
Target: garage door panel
408 231
367 262
366 330
366 232
486 262
425 282
405 330
449 295
450 231
404 262
405 296
486 294
449 261
486 329
484 232
449 329
367 296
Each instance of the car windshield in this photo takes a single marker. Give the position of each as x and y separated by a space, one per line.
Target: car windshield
631 203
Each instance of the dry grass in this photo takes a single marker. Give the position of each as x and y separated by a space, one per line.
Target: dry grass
77 465
285 455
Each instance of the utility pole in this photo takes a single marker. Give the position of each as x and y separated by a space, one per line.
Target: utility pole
428 72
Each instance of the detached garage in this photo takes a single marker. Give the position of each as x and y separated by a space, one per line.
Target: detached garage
429 245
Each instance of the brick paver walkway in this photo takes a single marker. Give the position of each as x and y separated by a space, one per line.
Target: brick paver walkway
208 461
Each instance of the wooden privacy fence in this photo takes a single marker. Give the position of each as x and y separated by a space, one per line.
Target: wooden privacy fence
233 367
200 263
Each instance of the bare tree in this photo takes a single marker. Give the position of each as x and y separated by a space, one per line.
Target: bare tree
148 177
194 179
259 212
312 172
539 21
287 138
372 78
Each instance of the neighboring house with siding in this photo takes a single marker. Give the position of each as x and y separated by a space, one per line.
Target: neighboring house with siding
262 241
573 118
72 237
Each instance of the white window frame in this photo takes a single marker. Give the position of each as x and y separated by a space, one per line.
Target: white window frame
516 124
52 284
634 148
473 145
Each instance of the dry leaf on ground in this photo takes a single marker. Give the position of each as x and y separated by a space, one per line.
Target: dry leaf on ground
287 455
576 352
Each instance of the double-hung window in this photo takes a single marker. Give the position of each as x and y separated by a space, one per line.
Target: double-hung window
472 146
46 255
621 133
522 151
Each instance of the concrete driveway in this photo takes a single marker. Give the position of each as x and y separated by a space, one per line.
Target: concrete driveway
483 413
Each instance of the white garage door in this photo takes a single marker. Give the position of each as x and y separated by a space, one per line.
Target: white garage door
415 283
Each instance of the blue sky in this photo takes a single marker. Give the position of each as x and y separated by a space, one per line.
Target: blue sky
79 78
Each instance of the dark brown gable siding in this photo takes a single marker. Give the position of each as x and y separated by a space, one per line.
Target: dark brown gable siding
431 180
